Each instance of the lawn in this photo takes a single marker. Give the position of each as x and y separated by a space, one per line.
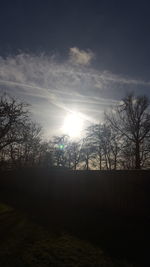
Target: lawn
25 243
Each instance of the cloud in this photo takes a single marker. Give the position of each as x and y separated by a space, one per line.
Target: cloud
54 88
80 57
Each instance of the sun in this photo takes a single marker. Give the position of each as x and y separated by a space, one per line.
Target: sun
73 125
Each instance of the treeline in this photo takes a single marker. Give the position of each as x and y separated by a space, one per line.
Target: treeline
122 141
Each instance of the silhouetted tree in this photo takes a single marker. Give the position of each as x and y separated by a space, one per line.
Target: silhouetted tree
13 118
66 153
27 152
20 138
74 154
46 157
112 144
60 144
131 119
104 146
94 135
87 153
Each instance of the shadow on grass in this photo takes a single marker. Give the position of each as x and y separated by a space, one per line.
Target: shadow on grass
120 236
25 243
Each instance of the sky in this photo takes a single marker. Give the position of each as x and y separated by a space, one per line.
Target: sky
64 56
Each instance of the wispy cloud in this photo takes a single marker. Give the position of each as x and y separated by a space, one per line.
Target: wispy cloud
54 87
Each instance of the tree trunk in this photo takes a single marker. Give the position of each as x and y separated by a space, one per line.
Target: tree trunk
100 161
87 164
137 156
75 165
115 162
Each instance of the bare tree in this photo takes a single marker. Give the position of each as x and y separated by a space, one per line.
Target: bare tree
131 119
87 153
66 153
13 118
104 146
29 148
46 157
94 136
74 154
60 144
20 138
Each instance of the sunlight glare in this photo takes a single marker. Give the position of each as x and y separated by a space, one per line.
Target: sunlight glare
73 125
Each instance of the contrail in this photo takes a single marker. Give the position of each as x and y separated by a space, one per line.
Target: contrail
21 84
51 97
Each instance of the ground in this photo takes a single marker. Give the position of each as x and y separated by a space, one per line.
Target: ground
24 243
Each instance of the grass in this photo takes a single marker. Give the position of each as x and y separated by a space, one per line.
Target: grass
24 244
